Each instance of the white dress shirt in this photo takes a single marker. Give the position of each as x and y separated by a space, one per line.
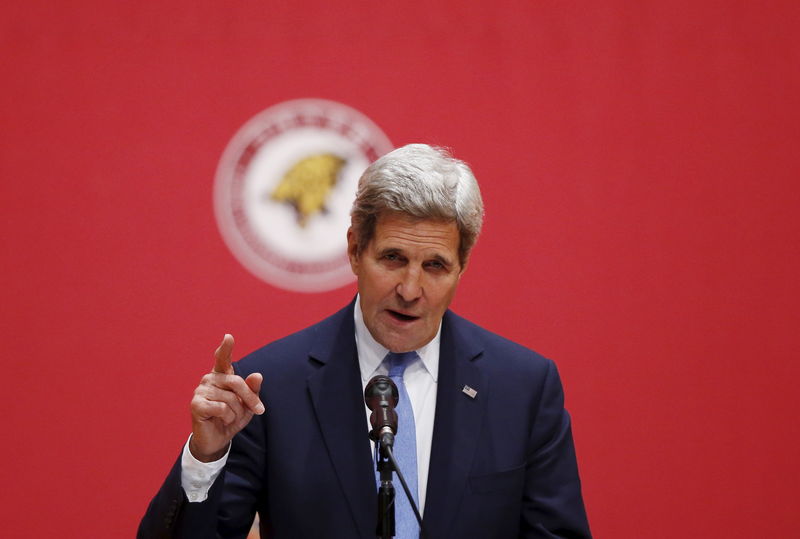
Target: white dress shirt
420 378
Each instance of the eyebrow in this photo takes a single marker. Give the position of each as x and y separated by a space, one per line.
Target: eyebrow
443 260
390 250
395 250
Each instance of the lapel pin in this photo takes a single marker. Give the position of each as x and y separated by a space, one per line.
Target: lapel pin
469 392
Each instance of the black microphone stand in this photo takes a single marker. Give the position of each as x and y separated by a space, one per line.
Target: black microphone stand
386 465
385 528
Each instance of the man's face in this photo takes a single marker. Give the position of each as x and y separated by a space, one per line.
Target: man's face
407 277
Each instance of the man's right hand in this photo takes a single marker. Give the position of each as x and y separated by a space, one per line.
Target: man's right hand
222 405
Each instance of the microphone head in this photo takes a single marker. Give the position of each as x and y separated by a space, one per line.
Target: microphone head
381 391
381 396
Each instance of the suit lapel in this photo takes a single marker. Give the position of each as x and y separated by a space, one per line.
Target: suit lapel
335 389
457 426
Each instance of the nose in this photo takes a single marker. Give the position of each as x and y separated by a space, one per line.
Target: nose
410 286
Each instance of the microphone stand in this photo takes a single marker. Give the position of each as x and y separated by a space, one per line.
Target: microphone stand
385 528
386 464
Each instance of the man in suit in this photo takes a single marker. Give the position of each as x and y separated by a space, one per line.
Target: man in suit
487 443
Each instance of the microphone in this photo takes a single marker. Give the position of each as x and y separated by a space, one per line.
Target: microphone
381 396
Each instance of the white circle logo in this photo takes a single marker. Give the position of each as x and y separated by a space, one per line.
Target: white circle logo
284 188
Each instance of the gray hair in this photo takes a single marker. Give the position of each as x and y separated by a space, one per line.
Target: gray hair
424 182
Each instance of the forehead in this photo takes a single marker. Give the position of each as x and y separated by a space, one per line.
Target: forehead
401 231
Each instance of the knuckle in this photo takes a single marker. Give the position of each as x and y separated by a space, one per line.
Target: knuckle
219 408
234 380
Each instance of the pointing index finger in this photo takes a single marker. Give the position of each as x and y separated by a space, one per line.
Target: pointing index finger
222 355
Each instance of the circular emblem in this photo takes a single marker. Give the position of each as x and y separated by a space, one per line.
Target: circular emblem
284 188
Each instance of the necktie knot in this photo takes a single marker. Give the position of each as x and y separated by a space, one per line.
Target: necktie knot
399 362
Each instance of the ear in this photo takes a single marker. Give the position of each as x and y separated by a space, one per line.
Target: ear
463 268
352 250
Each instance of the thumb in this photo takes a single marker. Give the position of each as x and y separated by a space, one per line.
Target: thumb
222 355
254 381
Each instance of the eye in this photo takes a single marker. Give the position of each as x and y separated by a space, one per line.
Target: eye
435 265
392 258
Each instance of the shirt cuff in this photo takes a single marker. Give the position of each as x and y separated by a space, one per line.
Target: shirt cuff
197 477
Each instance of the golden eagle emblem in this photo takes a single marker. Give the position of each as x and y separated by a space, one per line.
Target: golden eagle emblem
307 184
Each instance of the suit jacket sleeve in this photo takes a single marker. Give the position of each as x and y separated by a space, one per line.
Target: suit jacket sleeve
552 503
170 515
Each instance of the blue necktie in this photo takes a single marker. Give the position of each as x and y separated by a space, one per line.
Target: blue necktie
405 449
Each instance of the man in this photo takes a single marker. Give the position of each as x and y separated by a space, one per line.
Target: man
489 440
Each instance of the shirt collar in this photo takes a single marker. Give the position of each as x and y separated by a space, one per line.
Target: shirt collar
371 352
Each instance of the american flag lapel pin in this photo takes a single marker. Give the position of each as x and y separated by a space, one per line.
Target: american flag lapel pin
469 392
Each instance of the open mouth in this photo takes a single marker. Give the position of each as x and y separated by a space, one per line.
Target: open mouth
402 317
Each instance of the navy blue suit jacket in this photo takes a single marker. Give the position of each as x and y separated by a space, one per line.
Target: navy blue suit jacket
502 464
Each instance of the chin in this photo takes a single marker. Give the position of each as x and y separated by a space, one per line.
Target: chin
400 341
405 345
398 345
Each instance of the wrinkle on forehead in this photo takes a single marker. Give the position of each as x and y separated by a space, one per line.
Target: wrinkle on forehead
400 231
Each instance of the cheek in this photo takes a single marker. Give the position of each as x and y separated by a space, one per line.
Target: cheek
376 285
446 295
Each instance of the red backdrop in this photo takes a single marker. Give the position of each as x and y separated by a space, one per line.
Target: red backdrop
639 163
